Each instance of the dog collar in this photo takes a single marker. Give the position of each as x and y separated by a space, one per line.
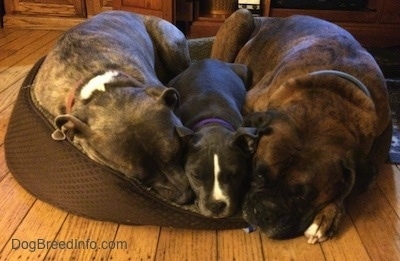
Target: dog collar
346 76
213 121
70 100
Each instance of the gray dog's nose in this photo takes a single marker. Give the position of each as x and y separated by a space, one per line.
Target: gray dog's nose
217 207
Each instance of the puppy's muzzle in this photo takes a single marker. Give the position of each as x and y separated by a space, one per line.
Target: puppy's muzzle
216 207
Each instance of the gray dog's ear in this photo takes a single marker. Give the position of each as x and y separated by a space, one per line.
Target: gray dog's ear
246 139
243 72
260 120
69 124
171 98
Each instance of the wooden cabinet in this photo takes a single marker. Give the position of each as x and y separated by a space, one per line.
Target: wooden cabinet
377 25
67 8
51 14
161 8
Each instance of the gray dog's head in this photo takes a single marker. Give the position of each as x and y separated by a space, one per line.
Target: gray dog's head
131 129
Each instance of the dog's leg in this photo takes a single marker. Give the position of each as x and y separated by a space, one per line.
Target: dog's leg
233 34
325 223
171 47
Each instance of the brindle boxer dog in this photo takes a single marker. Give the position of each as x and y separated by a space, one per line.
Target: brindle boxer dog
320 104
102 84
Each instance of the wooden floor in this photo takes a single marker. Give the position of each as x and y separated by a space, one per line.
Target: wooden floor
370 231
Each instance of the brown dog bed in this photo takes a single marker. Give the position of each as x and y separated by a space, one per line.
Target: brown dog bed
58 173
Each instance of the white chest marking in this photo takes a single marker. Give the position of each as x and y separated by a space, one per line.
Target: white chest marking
218 194
97 84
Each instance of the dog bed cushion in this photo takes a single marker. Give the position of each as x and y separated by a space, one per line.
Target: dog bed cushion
60 174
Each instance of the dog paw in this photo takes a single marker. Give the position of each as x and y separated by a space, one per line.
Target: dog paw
325 223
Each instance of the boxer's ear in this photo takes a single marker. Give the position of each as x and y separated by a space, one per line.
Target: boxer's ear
69 125
349 174
246 139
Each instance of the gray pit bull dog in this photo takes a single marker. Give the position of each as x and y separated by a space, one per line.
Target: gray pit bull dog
102 83
320 104
219 150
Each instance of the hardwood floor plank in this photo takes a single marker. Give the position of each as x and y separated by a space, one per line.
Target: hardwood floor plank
23 43
8 35
40 226
377 224
9 95
14 205
239 245
87 238
141 241
291 249
181 244
389 182
346 244
4 119
3 166
24 59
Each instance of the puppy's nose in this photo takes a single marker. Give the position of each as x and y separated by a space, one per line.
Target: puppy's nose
217 207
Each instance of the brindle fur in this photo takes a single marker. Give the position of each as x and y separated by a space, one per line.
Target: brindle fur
321 136
131 126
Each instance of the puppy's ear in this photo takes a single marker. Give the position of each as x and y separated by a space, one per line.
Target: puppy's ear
183 131
246 139
185 134
260 120
243 72
69 125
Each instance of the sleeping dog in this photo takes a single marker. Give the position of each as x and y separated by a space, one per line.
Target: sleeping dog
217 161
102 84
320 104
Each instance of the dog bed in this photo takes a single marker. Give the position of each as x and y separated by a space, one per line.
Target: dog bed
60 174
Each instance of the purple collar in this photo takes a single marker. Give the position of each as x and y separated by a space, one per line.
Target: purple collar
213 121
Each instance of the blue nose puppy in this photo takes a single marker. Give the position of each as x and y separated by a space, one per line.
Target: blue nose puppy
219 150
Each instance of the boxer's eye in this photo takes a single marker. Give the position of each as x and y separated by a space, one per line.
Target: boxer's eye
304 193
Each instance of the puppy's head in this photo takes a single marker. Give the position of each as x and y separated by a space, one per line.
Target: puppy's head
297 170
217 166
127 127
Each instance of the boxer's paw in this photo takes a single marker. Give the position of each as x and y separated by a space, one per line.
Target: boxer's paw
325 223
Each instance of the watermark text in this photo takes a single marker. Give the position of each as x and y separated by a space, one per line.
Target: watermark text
38 244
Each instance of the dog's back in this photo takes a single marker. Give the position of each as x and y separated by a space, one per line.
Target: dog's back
211 86
281 48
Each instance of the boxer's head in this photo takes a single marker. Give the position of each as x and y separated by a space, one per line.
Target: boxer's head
297 171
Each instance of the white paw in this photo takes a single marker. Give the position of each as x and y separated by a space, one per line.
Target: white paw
314 234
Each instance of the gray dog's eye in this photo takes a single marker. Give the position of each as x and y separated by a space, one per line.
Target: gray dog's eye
195 175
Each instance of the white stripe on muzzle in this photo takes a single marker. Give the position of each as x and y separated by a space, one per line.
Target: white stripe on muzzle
217 193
